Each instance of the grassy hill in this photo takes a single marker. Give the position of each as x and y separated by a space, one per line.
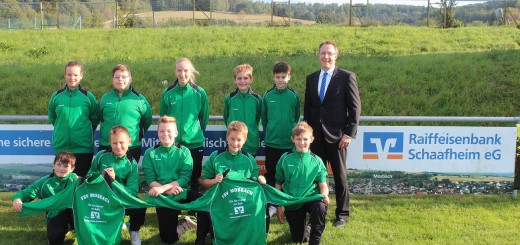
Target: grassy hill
402 71
239 18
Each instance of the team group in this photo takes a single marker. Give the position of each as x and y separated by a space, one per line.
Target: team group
293 165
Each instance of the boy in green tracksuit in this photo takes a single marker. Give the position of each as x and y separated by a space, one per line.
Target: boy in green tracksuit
72 111
237 207
245 106
57 221
126 107
301 173
188 104
114 165
99 209
280 112
167 169
230 158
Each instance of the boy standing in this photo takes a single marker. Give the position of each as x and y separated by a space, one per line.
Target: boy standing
280 113
62 177
245 106
72 111
296 174
126 107
167 168
114 165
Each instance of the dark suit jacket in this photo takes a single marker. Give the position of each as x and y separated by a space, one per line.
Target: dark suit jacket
341 108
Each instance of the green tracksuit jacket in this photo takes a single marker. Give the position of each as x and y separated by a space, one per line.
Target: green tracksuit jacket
131 110
98 209
246 108
280 113
73 113
237 208
46 187
126 171
189 105
299 173
168 164
222 160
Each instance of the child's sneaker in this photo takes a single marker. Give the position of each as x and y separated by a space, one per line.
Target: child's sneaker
185 223
272 211
135 238
306 233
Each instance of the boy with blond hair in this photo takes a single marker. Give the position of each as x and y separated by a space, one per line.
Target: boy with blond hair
245 106
116 165
230 158
167 169
296 174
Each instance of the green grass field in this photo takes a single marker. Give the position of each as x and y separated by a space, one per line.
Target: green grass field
375 219
402 71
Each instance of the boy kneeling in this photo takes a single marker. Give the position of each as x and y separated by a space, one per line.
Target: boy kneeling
297 173
58 223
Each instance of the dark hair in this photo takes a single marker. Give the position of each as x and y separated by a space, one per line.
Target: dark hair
281 67
65 158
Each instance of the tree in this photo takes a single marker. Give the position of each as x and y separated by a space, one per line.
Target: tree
447 14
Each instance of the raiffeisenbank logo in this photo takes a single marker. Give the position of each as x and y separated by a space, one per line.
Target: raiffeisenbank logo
383 145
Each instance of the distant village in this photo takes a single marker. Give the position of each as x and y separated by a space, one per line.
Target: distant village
361 182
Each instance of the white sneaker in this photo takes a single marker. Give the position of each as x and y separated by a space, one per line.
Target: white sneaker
306 233
135 238
185 223
272 211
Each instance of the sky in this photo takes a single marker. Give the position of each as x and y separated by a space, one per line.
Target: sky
405 2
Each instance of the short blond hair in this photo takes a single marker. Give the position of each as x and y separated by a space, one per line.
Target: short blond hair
243 68
117 130
238 127
302 127
167 119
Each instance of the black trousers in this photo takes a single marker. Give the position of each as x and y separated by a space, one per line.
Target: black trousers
137 218
297 221
197 154
83 163
330 154
58 226
134 152
168 220
272 156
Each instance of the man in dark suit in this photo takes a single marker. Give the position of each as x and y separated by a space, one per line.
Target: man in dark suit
333 107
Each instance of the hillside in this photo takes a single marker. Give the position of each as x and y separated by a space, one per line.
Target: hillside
402 71
239 18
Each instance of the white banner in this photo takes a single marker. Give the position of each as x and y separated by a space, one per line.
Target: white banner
434 149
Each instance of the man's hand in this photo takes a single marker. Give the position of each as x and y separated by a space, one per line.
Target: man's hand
344 142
